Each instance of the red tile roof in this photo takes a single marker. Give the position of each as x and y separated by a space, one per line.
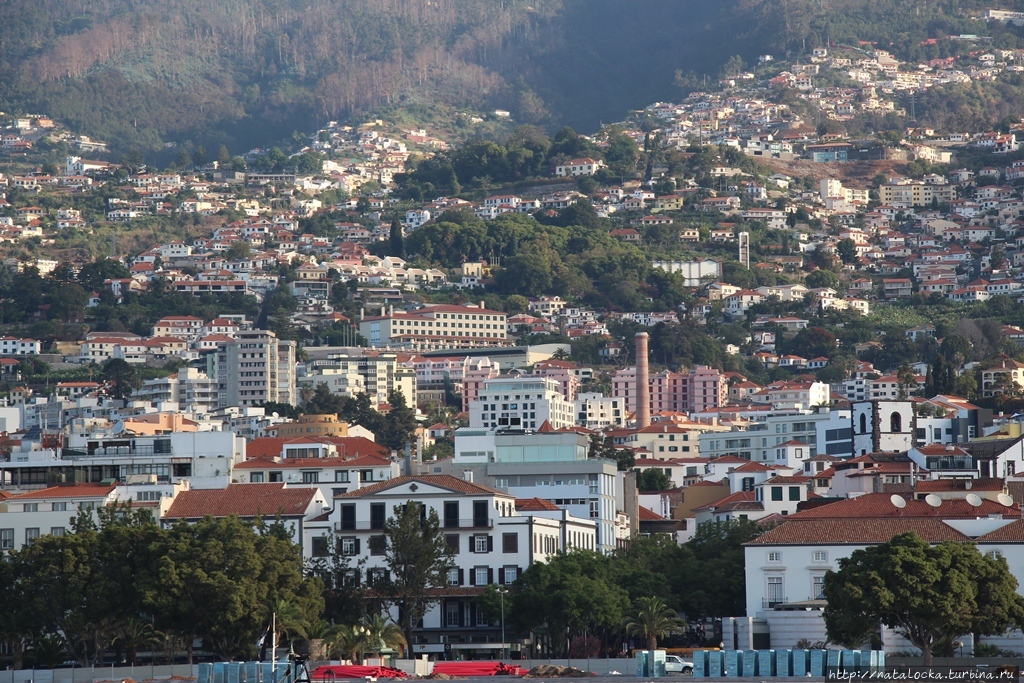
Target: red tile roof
879 505
1011 533
244 500
647 515
839 531
285 463
354 446
78 491
534 505
931 486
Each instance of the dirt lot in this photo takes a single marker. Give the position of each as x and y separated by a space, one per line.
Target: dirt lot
853 174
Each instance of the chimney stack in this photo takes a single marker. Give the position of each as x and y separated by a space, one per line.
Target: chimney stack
643 386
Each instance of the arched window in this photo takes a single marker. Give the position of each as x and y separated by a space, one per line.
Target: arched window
895 423
863 423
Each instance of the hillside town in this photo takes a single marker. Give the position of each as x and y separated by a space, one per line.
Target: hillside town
840 359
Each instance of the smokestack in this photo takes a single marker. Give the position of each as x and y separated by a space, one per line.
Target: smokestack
643 387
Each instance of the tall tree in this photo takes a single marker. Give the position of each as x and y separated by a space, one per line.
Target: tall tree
122 378
418 559
397 239
652 619
930 593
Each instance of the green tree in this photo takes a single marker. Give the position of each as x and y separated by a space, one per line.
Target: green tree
652 619
822 278
653 479
417 559
930 593
122 378
399 423
379 633
223 157
847 249
238 251
397 239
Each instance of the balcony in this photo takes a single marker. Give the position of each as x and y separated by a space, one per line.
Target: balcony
115 452
773 602
475 523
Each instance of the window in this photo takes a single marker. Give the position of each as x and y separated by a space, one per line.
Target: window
276 477
776 493
479 544
481 616
254 478
511 574
349 546
453 577
775 591
377 545
480 576
87 505
30 507
994 554
365 475
319 548
31 535
452 541
341 476
56 531
863 423
451 613
775 557
820 556
510 543
451 514
817 587
348 517
6 539
794 493
60 507
377 514
895 423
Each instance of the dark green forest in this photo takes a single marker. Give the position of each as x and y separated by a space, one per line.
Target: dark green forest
247 72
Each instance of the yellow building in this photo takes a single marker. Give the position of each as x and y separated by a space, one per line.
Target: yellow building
315 425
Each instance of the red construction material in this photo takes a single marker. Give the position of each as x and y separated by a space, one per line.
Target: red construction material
327 673
473 669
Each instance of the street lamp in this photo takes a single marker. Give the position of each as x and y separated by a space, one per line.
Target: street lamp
501 592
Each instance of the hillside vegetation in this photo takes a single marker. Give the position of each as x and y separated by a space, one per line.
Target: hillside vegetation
246 72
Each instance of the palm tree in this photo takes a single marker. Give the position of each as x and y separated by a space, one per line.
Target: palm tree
289 619
135 634
382 634
652 620
347 642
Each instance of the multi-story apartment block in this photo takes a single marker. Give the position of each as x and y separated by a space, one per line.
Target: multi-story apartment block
520 403
376 375
685 392
436 327
13 346
255 367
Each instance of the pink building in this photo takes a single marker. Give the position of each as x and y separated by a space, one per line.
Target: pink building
694 391
563 372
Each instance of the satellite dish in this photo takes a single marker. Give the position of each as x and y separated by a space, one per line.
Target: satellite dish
1005 499
933 500
898 501
973 499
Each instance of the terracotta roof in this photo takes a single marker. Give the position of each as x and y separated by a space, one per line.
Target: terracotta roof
648 515
285 463
879 505
752 467
1011 533
445 481
739 496
780 479
930 486
271 446
244 500
534 505
78 491
840 531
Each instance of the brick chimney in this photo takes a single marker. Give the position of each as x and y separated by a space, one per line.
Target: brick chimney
643 386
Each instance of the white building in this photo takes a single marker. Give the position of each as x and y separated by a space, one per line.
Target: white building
597 411
255 367
14 346
520 403
491 539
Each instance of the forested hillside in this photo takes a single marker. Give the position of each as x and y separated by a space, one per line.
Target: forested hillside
245 72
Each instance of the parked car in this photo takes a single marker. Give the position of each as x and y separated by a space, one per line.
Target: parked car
674 664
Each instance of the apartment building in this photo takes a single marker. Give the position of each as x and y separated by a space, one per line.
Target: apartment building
520 403
255 367
436 327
